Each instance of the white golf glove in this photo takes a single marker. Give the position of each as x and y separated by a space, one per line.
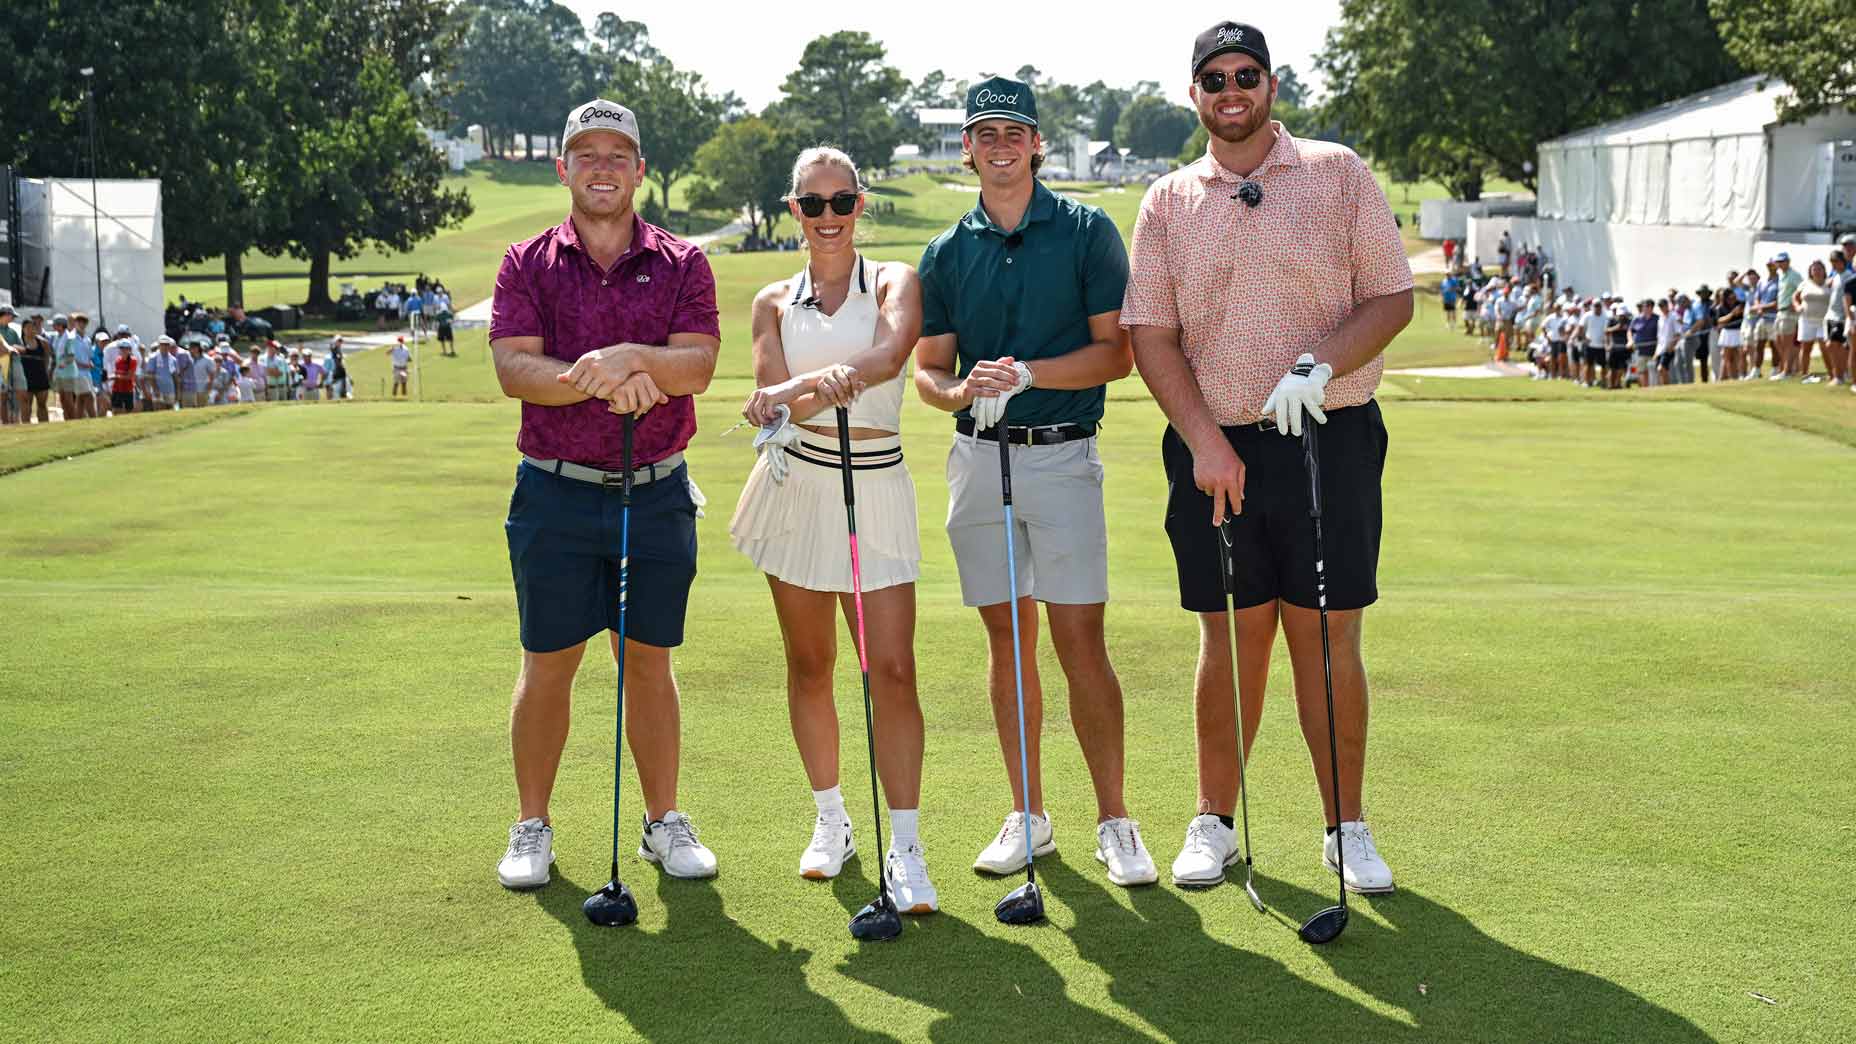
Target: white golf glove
1304 387
773 439
990 410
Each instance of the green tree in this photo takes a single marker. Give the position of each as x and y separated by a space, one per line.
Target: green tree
1153 126
1787 42
1459 89
356 168
682 114
844 93
744 169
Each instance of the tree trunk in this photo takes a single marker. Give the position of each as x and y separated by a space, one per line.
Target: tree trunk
235 278
319 283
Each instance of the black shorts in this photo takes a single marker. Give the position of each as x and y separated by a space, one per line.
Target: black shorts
1273 540
1834 330
1618 358
564 551
1556 348
122 402
1449 307
1577 352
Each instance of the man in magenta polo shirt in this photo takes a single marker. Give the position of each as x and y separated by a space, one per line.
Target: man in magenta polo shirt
598 317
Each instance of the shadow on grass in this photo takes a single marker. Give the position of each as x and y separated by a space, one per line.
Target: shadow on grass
747 987
1452 981
987 988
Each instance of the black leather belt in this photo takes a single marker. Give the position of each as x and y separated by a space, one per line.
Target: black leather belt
1049 435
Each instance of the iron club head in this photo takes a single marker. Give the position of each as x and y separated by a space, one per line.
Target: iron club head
1324 927
1025 905
877 922
611 906
1251 891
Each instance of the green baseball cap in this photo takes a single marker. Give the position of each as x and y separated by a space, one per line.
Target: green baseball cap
997 98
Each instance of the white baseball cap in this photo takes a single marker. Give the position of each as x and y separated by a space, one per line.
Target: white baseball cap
600 114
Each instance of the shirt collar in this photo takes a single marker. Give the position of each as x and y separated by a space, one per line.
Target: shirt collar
644 236
1043 204
1284 153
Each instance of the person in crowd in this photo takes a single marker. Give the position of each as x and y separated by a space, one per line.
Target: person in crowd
386 309
11 374
164 368
276 374
122 378
1556 329
1528 317
1668 340
34 368
1449 290
401 357
1470 305
1617 344
1730 311
415 312
225 376
197 378
1504 251
340 386
1811 303
1642 331
66 347
1836 316
1785 318
312 377
250 381
447 344
99 403
1699 320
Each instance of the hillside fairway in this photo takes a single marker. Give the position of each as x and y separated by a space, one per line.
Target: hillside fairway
257 760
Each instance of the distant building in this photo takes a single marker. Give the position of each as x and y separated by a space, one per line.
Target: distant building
940 135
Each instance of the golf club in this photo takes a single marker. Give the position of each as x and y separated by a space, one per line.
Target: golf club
878 921
1243 787
1025 904
613 905
1325 926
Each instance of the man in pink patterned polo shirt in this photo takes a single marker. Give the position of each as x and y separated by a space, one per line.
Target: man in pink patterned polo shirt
602 315
1267 279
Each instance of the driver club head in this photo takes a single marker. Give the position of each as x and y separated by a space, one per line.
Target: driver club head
1025 905
1324 927
877 922
611 906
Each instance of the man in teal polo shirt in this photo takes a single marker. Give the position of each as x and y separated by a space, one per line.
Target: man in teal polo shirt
1021 302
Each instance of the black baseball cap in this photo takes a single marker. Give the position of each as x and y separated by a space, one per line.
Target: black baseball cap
1226 37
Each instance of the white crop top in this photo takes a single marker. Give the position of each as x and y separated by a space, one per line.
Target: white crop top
813 340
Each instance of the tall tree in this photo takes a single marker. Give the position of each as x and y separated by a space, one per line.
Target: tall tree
356 169
1153 126
744 169
1449 87
1787 42
844 93
682 115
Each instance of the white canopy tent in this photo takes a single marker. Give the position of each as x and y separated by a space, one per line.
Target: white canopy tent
59 255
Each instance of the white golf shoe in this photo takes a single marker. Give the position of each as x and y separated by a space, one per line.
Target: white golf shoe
1119 847
831 846
1210 847
1006 854
1366 873
671 844
531 852
906 872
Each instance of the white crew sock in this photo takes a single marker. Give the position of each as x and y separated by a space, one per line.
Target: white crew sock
831 805
903 823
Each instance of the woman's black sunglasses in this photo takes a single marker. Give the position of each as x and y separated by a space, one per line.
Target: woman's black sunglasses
1214 82
812 204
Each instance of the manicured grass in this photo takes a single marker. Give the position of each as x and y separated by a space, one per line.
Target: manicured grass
258 766
29 445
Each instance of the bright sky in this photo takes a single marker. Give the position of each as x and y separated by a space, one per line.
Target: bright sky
750 47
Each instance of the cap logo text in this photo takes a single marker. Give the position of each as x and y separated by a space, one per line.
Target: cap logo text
988 96
589 115
1230 35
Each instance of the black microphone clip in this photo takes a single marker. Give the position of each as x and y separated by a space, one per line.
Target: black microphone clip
1250 193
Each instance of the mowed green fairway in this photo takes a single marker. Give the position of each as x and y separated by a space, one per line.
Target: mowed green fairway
257 774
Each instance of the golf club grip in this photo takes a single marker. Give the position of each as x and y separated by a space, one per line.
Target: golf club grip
844 448
1005 465
625 460
1312 458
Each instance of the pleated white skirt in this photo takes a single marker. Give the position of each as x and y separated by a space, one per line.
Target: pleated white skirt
796 530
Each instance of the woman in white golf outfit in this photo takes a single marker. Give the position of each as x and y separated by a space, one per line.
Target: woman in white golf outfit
1812 302
839 334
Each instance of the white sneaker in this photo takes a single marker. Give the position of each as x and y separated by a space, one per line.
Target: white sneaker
1210 847
1119 847
1365 871
906 871
671 843
831 846
530 854
1006 854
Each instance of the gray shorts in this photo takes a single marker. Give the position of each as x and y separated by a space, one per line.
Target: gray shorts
1060 538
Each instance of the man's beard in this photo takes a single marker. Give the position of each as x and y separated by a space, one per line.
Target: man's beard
1257 119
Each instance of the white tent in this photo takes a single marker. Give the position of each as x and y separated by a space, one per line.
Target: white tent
1679 193
62 239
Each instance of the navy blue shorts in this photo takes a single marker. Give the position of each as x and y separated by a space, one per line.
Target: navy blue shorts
564 551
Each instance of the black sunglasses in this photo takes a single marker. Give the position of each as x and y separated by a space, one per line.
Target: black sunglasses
812 204
1214 82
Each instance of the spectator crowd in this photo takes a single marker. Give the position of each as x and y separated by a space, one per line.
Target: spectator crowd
1716 333
98 374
